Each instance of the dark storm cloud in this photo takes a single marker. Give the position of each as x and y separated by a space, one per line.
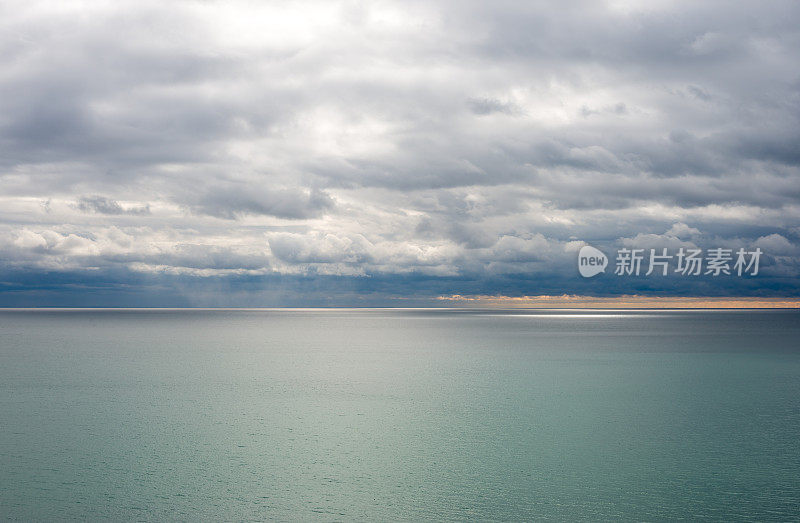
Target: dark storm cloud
426 147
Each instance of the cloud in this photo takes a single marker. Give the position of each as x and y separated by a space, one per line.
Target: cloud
102 205
406 148
681 230
290 203
777 245
484 106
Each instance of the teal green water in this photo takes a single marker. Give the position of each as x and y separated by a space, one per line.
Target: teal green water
399 415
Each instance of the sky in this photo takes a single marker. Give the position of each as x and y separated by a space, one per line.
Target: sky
391 153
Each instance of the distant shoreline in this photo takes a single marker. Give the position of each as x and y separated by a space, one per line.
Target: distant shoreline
466 307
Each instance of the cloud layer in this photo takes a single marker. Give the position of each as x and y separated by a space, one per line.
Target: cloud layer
345 152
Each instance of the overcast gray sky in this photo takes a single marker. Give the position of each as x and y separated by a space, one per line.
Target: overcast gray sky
289 153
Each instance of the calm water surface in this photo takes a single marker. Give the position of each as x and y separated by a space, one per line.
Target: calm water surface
399 415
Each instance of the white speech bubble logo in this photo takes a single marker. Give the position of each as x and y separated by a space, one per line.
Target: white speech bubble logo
591 261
